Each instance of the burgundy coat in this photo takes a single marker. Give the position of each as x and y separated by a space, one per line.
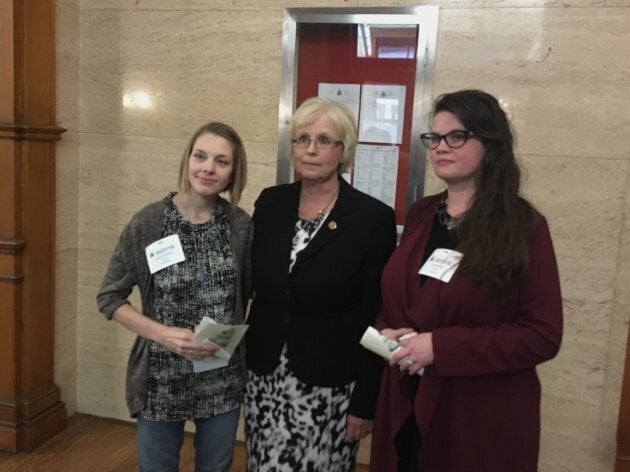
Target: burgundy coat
478 405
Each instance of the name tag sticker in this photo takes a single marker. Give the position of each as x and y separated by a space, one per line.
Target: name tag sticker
442 264
164 253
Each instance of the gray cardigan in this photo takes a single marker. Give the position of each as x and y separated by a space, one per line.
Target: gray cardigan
128 267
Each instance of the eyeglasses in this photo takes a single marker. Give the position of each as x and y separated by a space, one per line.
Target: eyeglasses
322 141
455 139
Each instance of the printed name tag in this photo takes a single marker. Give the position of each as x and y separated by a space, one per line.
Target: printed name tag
164 252
442 264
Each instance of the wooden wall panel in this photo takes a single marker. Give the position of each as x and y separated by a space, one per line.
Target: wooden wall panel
30 406
622 461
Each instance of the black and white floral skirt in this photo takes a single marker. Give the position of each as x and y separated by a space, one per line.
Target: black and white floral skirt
294 427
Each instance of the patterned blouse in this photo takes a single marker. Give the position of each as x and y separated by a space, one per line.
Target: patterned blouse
202 285
303 232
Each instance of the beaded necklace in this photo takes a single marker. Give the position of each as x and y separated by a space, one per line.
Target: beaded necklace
443 217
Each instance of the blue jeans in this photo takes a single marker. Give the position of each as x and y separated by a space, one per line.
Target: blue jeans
159 443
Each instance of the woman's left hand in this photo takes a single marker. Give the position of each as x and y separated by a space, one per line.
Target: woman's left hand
357 428
416 353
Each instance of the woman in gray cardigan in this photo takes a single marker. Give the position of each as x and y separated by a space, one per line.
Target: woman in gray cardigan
189 255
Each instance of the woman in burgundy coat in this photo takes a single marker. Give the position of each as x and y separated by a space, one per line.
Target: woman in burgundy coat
475 276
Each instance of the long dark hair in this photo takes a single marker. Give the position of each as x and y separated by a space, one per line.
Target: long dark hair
494 231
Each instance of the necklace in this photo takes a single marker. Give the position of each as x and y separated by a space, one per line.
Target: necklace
444 218
322 210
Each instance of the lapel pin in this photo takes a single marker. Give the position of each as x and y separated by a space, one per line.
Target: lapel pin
332 225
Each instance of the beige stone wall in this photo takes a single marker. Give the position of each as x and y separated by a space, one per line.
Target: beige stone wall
560 67
67 181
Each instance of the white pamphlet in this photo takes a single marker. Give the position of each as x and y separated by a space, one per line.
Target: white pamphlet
226 337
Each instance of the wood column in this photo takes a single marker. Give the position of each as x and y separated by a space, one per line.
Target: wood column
622 460
30 406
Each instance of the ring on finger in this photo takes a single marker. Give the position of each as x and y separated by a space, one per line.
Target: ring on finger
409 362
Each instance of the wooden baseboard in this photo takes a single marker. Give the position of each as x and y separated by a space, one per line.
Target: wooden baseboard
27 435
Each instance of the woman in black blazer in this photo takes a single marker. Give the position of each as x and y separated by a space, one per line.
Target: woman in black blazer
318 251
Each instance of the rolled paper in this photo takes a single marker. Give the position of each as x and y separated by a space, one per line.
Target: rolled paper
374 341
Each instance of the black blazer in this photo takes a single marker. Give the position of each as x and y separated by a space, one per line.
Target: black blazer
321 308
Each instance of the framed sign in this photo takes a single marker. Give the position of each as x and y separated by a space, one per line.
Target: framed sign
379 62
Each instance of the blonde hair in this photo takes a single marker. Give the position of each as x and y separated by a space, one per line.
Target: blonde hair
239 171
341 116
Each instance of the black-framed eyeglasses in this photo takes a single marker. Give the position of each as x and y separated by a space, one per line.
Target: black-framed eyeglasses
455 139
322 141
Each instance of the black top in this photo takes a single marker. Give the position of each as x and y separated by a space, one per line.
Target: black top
322 307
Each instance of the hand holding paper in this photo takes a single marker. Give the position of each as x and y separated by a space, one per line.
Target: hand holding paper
382 345
226 337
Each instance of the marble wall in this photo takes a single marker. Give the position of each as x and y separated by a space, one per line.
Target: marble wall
67 181
135 77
